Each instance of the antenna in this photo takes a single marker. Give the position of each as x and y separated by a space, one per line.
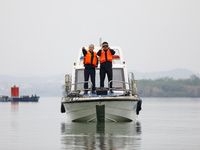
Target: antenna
100 42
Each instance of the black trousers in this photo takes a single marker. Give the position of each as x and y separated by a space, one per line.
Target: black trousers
103 72
91 73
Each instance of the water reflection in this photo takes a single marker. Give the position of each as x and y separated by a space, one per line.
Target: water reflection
101 135
14 123
14 106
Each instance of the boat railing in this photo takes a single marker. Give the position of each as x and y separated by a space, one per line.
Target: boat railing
132 82
76 90
117 89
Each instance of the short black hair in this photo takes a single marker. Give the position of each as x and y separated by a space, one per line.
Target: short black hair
104 43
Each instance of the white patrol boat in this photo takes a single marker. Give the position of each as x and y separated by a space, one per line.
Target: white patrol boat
121 105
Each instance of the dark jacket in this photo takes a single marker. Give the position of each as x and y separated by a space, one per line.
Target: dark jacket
106 64
89 66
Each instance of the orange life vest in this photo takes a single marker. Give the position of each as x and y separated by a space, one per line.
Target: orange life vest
87 58
103 56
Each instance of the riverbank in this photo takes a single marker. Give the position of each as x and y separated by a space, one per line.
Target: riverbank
169 87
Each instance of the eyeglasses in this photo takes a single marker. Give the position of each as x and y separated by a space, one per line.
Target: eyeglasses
105 46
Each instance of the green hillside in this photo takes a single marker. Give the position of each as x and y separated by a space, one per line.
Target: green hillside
169 87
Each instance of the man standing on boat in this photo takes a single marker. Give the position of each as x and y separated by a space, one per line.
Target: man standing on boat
105 55
90 62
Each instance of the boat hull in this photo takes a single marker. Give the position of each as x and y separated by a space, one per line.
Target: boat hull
117 110
25 99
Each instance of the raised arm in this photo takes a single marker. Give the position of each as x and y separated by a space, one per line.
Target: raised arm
99 53
112 51
84 51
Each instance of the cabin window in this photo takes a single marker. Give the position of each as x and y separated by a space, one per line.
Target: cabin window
118 75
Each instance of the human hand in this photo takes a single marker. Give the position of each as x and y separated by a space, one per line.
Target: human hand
83 48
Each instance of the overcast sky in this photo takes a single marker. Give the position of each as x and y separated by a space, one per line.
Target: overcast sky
43 37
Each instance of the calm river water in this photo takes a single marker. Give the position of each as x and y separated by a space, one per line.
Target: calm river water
163 123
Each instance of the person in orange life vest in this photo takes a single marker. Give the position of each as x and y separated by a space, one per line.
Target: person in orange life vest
105 55
90 62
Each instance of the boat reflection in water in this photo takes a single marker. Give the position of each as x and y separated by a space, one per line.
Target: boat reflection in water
104 135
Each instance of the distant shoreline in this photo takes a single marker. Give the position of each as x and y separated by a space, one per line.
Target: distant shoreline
169 87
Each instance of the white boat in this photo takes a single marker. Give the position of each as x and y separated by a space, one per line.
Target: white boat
122 105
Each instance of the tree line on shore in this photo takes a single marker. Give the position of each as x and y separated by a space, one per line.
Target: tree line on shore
169 87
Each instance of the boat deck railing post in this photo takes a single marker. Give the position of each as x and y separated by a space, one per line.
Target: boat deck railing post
132 82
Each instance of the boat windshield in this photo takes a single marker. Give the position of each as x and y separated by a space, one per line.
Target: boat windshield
118 75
